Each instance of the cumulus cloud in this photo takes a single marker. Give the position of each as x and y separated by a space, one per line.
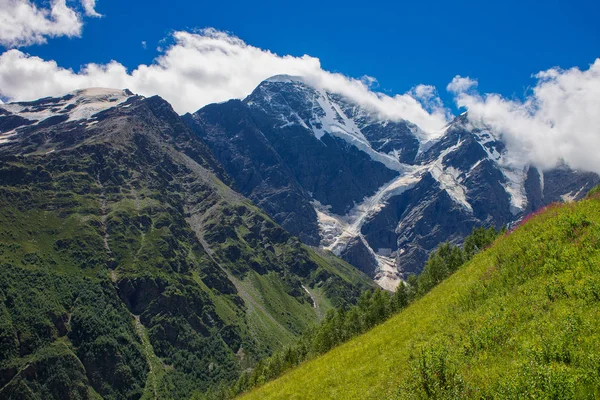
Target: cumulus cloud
206 67
558 122
23 23
460 84
428 96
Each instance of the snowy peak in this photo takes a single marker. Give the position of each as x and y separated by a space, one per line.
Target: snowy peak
79 105
383 192
294 103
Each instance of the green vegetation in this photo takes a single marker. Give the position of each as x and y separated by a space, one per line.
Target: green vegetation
519 320
129 271
373 307
338 327
447 258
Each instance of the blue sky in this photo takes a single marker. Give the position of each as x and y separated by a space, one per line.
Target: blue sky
401 44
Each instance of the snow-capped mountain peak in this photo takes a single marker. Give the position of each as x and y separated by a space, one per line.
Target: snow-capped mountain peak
380 193
464 173
79 104
75 106
286 79
293 101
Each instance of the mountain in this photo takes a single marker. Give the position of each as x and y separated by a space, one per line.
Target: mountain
379 193
130 268
519 321
146 254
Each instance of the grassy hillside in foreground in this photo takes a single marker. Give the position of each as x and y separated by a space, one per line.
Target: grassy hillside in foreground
521 320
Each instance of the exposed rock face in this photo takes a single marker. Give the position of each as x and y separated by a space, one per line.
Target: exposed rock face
258 170
383 193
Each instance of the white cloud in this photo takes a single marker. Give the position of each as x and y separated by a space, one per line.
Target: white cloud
202 68
559 121
369 81
460 84
428 96
23 23
90 8
144 44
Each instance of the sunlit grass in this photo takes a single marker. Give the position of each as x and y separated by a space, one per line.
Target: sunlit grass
520 320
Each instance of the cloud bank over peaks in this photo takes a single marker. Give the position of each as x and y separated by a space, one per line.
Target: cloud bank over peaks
211 66
23 23
558 122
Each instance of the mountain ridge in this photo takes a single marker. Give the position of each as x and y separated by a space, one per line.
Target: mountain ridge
339 177
371 169
121 228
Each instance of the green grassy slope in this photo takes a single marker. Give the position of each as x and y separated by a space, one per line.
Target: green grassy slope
521 320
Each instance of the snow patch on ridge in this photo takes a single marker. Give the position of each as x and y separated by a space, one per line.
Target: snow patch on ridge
78 105
81 104
90 102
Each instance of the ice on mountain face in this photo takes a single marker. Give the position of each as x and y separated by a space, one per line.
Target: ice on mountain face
388 277
272 100
331 227
356 218
336 123
337 230
488 143
572 196
515 174
449 178
293 102
515 187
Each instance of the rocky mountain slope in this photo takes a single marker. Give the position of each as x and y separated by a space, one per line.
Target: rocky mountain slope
379 193
130 269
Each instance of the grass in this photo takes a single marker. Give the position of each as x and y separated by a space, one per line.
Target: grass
520 320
